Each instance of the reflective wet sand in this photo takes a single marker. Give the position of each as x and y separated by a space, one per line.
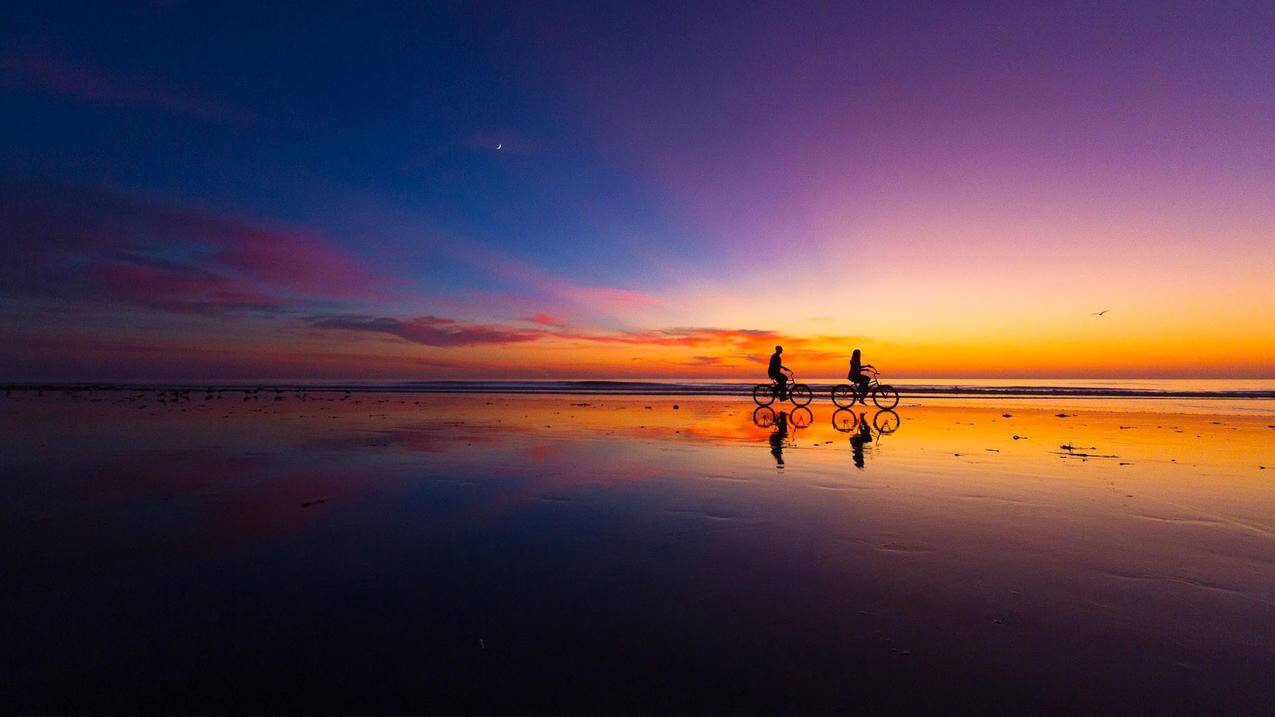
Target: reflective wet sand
483 552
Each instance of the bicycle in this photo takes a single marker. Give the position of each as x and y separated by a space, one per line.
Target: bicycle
884 396
799 393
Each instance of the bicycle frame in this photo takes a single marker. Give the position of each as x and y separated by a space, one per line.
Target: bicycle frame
858 393
790 386
873 382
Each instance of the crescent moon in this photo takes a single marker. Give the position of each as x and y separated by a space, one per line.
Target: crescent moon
497 146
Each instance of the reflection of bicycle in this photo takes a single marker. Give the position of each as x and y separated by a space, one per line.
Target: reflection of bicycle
846 421
886 422
799 393
800 417
783 427
885 397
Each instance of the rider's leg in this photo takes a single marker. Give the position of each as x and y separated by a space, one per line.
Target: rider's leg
863 383
783 383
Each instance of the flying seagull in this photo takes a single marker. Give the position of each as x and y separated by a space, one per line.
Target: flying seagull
1100 313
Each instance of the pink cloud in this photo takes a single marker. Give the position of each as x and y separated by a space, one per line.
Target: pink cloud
689 337
546 320
429 330
298 262
89 245
610 300
699 361
445 332
173 288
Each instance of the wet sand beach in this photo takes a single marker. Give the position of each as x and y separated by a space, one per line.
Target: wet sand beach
229 552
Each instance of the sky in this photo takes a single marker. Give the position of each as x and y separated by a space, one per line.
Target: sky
228 191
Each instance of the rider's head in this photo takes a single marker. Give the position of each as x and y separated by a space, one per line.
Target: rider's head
779 349
855 355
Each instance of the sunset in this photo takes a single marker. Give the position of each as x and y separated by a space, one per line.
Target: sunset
955 189
324 311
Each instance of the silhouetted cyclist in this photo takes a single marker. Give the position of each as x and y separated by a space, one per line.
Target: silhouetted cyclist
776 372
857 375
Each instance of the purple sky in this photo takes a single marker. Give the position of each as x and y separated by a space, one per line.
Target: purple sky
495 190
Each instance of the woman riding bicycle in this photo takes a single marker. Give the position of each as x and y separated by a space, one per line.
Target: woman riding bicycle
857 375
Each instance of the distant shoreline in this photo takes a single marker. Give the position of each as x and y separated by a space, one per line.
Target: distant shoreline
627 388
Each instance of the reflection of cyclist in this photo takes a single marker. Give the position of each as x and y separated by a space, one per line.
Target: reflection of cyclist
776 372
858 440
778 437
857 375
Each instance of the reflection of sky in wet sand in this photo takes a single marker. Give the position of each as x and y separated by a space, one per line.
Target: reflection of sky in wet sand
1101 557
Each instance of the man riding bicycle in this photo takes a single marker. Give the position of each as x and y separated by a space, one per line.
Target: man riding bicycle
776 372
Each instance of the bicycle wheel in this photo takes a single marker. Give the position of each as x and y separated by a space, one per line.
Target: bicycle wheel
800 394
801 417
763 394
885 397
844 420
886 421
843 395
763 417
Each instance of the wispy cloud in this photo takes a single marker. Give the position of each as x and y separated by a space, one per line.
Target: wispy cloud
569 297
621 302
42 73
76 244
446 332
684 336
428 330
546 320
172 287
517 281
